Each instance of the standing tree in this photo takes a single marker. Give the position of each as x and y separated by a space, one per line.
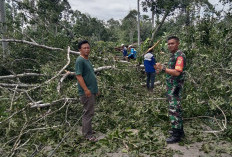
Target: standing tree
167 8
160 7
138 25
113 27
129 24
3 25
145 27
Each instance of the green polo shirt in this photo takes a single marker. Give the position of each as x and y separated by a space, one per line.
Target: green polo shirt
84 67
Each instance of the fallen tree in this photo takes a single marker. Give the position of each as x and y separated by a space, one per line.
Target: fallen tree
37 45
20 75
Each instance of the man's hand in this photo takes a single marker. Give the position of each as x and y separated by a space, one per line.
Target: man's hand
87 92
159 66
156 68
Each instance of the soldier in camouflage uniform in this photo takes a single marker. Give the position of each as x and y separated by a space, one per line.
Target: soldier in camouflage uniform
175 80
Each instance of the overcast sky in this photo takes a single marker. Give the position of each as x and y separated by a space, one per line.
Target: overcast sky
107 9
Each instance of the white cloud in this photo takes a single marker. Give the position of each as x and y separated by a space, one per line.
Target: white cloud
104 9
107 9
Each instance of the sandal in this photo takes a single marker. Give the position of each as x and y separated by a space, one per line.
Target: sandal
91 138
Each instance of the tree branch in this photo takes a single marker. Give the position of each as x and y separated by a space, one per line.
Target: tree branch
35 44
12 100
68 62
40 104
225 119
73 74
20 75
19 85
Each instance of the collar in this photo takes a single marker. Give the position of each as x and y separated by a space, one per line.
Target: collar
84 57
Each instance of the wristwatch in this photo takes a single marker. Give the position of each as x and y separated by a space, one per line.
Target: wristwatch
164 68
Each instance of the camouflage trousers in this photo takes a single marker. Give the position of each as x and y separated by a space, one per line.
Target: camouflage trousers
175 110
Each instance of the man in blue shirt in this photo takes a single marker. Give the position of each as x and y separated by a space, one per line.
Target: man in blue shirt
150 63
124 51
132 54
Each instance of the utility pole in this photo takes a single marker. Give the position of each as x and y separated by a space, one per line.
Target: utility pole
3 25
138 26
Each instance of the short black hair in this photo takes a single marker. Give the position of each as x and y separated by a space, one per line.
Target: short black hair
82 42
173 37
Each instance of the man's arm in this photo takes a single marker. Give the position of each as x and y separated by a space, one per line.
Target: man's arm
157 70
83 85
172 72
179 66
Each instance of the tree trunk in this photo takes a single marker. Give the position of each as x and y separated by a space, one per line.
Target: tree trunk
153 19
56 30
138 26
187 22
3 25
131 35
33 6
22 24
155 31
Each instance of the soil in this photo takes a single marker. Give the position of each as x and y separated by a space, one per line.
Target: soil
194 150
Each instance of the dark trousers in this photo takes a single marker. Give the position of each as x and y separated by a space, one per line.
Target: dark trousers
150 80
88 110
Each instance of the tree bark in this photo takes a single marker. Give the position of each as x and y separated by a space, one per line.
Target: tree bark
155 31
38 104
35 44
153 19
73 74
19 85
3 25
138 26
187 22
20 75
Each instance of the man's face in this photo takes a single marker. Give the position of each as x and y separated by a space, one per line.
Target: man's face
85 49
173 45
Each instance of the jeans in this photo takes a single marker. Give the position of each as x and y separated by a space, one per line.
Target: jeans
150 80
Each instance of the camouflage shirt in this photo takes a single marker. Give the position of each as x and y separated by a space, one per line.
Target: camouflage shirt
175 80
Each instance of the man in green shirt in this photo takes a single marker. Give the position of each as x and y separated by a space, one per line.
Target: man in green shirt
87 88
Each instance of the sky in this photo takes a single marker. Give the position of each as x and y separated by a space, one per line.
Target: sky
104 9
107 9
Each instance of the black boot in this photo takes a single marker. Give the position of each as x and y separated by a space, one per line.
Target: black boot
175 136
181 132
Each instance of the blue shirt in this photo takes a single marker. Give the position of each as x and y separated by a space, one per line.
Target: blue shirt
124 51
149 62
132 53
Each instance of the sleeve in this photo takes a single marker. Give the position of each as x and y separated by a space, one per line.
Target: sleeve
79 67
179 64
154 61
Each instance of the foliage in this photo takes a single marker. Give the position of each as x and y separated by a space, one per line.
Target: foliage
129 119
